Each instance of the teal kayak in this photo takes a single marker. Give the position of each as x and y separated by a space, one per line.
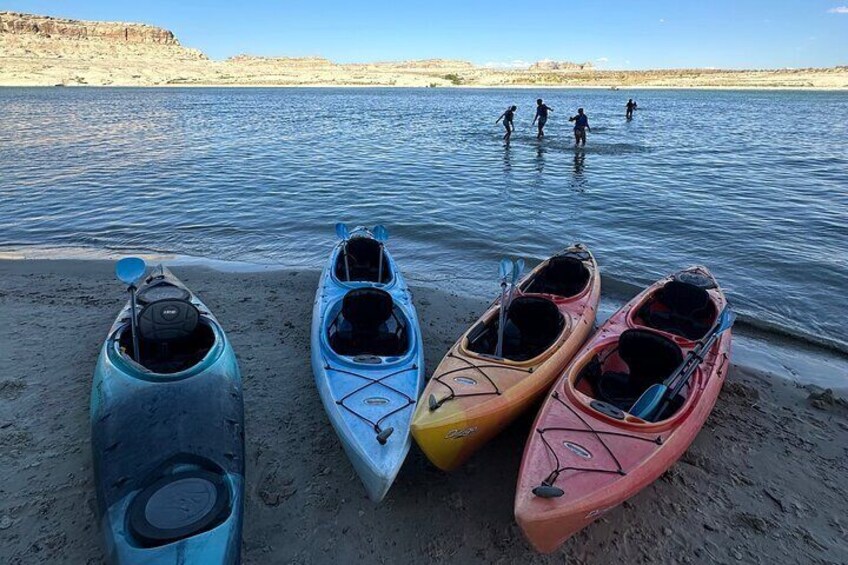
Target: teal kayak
167 433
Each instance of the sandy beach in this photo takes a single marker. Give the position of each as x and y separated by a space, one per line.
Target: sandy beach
763 482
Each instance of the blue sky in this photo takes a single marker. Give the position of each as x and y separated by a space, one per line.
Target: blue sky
612 34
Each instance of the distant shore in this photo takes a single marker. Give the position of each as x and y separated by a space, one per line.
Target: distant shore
760 482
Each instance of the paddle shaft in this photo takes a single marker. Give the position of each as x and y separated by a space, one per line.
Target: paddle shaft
687 368
133 324
501 321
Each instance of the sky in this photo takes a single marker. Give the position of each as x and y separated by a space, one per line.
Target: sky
611 34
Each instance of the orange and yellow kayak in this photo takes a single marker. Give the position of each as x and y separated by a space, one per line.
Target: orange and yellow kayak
474 394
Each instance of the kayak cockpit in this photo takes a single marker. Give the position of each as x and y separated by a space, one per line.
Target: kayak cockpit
363 259
678 307
621 371
173 335
368 323
533 324
564 276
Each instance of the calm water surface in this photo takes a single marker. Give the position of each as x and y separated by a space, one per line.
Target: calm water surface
752 184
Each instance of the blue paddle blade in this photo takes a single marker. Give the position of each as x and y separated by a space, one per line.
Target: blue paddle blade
649 401
130 269
342 231
505 269
517 270
726 320
380 232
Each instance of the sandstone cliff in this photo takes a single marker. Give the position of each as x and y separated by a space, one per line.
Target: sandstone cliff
45 51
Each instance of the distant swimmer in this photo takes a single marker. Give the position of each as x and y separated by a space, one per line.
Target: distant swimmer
631 105
507 118
581 124
541 117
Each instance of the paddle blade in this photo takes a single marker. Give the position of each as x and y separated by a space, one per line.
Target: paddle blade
517 270
129 269
650 400
505 269
381 234
342 231
725 321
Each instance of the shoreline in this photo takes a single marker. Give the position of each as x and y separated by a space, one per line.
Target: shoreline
441 87
759 483
802 353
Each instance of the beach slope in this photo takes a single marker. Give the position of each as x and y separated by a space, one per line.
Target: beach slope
763 482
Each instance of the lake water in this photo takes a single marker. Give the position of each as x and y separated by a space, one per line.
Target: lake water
752 184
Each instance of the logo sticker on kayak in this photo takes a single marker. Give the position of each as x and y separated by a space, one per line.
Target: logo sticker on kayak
376 401
577 450
459 434
465 381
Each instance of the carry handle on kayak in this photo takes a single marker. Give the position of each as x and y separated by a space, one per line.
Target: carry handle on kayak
654 402
129 270
343 234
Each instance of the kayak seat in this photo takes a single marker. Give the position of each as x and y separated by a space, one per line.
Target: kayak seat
650 359
363 325
172 336
363 261
562 276
536 322
680 308
167 320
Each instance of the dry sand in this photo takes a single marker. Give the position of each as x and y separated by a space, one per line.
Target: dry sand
765 481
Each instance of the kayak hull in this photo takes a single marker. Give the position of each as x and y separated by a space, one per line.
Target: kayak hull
160 439
599 460
363 397
490 392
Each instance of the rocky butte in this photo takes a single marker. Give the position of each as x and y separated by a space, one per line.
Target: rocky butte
46 51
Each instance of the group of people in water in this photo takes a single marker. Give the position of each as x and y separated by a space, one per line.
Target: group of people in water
580 120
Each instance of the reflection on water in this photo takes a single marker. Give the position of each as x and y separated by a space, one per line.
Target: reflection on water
261 175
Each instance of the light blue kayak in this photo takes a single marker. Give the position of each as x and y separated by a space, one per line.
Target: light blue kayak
367 355
167 432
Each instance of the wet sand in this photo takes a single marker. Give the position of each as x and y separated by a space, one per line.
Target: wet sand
763 482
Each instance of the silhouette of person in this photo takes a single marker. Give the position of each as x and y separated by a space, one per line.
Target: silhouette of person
507 118
541 117
581 125
631 105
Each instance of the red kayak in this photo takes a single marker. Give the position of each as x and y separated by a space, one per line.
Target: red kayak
621 414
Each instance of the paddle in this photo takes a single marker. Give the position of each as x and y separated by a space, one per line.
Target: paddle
505 269
343 234
128 270
654 401
381 234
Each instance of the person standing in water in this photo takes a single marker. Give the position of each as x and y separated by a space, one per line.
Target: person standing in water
541 117
631 105
581 124
507 118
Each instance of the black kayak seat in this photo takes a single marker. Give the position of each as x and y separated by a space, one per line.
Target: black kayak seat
168 320
538 322
650 358
363 261
362 326
563 276
686 312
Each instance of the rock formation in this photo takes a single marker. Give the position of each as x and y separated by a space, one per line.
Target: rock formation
548 65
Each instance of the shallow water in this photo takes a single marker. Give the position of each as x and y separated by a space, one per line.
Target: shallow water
752 184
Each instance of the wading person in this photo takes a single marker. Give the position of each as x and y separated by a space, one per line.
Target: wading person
507 118
631 105
581 124
541 117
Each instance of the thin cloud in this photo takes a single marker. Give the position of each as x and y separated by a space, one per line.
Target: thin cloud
838 10
602 59
662 20
514 64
